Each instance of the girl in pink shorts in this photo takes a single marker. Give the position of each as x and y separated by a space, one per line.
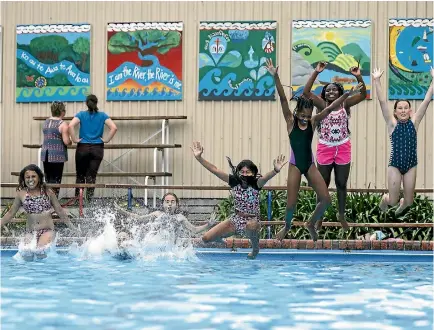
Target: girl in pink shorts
334 145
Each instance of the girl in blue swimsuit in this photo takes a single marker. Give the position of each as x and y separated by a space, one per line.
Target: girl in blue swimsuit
300 126
38 201
402 129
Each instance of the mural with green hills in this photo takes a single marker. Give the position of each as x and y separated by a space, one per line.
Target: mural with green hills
342 44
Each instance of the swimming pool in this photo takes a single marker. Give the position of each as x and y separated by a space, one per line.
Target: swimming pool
219 289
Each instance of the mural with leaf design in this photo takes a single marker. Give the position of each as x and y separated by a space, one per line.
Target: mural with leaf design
232 59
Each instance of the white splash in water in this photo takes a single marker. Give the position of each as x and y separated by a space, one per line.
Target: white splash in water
29 251
157 239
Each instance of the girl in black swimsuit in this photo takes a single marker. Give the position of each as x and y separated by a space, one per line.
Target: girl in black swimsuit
300 126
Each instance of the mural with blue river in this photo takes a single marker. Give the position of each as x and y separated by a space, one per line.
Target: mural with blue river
410 57
232 58
53 62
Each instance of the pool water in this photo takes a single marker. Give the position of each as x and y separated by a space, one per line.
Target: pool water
214 291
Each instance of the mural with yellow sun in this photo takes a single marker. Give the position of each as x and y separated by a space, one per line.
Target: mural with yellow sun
333 37
341 43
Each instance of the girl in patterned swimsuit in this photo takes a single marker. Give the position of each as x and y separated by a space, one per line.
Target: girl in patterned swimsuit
402 129
38 201
334 145
300 126
245 186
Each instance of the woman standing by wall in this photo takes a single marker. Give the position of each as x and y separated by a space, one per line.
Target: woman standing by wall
90 145
54 152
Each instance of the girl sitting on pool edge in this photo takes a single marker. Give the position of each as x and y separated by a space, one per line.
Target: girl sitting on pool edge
38 201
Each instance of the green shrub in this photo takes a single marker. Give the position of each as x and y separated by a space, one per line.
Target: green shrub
360 208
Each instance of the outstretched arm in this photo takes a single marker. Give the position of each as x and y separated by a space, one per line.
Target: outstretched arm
420 113
198 229
12 211
195 229
390 120
287 114
277 166
197 151
148 217
356 99
335 104
124 212
317 101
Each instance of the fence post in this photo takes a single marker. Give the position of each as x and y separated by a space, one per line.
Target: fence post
269 199
130 199
80 202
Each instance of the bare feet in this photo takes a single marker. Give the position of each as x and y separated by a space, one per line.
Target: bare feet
318 225
401 208
282 233
383 204
343 222
311 227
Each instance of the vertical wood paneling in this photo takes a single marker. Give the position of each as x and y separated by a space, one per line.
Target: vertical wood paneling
240 130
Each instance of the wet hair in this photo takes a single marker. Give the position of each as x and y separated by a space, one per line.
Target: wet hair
57 108
178 210
401 100
91 102
170 194
34 168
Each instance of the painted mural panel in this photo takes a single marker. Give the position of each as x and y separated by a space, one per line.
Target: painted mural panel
1 60
410 57
53 62
144 61
341 43
232 59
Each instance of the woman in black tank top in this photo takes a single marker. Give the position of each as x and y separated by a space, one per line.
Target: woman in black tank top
300 126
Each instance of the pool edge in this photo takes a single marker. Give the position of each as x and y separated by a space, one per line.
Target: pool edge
286 244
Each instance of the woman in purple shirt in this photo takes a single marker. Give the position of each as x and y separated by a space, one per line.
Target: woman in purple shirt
90 145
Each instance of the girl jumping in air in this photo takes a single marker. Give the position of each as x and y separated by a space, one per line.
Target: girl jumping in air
402 128
245 186
334 145
300 126
38 201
